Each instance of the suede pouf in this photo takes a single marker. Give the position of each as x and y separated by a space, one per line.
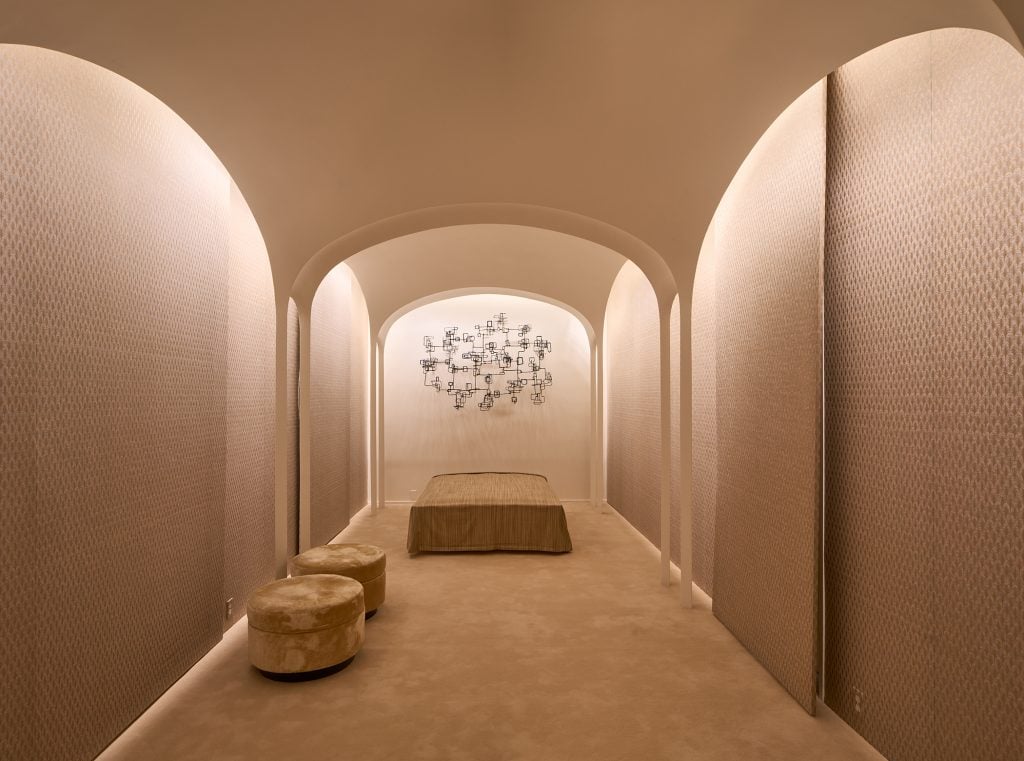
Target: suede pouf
305 624
362 562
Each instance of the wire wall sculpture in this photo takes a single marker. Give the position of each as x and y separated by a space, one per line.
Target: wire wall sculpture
476 363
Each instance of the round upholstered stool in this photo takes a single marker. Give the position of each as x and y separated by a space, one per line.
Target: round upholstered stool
305 627
362 562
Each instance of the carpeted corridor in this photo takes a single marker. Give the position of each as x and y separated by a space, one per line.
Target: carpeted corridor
503 656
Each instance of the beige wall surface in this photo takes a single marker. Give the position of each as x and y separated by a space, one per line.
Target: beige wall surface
425 435
767 241
633 399
337 380
703 385
924 347
116 245
250 435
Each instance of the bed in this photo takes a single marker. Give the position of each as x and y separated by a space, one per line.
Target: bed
460 512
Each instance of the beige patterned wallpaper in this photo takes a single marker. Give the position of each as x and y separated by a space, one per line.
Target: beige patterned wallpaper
768 239
677 476
249 475
633 390
293 428
114 232
338 392
924 343
703 391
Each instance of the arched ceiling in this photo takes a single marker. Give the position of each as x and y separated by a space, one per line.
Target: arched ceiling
334 114
404 270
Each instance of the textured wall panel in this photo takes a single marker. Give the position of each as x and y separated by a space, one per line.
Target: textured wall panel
633 392
878 383
293 428
924 356
768 237
978 154
338 392
705 417
677 476
21 200
250 434
113 259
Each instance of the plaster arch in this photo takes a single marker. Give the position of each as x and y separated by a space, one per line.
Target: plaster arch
566 268
523 215
391 274
395 316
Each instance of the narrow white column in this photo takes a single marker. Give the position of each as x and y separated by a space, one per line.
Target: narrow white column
305 433
381 469
374 494
665 366
595 431
602 435
281 440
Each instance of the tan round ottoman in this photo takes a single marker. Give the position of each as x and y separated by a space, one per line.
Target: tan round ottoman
305 627
362 562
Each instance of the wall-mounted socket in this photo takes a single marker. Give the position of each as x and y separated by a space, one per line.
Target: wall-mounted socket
858 700
229 607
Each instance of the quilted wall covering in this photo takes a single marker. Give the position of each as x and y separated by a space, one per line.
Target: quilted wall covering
128 437
704 391
250 435
924 350
768 237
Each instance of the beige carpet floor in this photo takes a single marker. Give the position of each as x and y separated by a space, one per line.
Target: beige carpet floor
500 657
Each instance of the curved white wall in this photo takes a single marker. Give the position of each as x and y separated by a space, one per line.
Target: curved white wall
633 402
339 353
424 434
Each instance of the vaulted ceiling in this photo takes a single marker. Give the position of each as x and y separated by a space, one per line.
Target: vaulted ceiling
403 270
335 115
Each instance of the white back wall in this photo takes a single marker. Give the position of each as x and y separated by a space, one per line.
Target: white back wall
424 434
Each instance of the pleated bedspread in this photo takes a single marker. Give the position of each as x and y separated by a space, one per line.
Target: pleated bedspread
488 511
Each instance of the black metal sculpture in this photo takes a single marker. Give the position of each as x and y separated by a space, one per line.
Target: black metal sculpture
489 355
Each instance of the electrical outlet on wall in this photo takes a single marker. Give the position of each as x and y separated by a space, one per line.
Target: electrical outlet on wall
858 700
229 607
